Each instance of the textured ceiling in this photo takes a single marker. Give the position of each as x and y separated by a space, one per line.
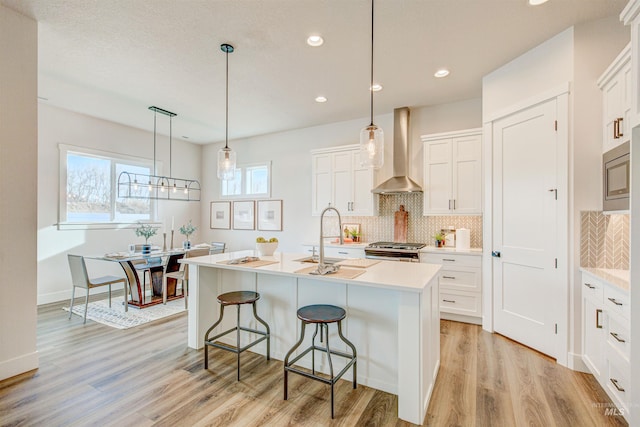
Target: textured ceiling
113 58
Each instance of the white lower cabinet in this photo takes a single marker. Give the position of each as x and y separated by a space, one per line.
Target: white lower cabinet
460 282
605 338
335 251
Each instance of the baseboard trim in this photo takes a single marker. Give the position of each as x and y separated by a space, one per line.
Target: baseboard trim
18 365
576 363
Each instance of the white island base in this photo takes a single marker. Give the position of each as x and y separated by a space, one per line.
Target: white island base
392 318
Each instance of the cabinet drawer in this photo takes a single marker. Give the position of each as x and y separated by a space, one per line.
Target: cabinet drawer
592 288
616 301
343 252
461 303
618 335
452 259
462 279
618 380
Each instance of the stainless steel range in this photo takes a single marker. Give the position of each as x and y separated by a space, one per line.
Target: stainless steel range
394 251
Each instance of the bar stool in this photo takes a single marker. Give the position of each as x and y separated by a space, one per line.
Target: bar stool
236 298
321 315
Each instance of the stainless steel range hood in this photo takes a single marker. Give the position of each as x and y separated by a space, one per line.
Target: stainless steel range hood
400 182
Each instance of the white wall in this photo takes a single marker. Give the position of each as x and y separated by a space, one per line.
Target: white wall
57 126
291 165
18 168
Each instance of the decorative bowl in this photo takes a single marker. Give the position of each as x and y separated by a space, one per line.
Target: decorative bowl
266 249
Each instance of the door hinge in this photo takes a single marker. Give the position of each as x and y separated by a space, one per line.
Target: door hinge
556 329
556 262
555 125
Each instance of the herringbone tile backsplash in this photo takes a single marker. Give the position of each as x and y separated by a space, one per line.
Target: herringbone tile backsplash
604 240
421 228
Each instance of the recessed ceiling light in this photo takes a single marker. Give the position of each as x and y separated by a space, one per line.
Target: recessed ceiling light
443 72
321 99
315 41
376 87
536 2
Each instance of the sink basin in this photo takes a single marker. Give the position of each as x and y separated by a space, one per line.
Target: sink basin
314 260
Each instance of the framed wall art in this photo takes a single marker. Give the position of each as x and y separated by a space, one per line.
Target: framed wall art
270 215
220 216
243 215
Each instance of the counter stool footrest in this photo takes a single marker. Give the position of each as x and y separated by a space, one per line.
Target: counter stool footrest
235 349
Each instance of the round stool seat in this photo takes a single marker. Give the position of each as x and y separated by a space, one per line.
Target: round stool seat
238 297
321 313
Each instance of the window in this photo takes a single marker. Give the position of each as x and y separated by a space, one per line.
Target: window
88 192
249 181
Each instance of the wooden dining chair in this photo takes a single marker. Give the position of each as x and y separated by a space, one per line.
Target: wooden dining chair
80 279
183 274
172 266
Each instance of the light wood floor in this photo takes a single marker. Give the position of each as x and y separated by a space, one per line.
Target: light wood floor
95 375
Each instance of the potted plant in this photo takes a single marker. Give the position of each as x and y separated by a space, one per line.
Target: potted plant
440 237
355 235
146 231
187 230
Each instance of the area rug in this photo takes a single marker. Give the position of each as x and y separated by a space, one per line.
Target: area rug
116 317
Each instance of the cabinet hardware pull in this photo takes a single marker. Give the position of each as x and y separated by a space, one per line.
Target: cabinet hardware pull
449 204
449 300
454 204
613 300
615 129
598 313
615 335
449 277
615 383
589 285
343 253
449 259
620 134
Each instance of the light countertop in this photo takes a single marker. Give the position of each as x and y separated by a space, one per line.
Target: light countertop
617 278
328 244
399 276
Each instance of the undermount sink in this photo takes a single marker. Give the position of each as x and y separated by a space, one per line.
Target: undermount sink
314 260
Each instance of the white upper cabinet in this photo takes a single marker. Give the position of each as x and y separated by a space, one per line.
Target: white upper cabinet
615 85
453 173
340 181
631 16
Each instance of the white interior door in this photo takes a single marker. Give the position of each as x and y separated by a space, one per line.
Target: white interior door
525 275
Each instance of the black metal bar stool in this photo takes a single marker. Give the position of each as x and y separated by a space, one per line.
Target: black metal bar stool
321 315
237 298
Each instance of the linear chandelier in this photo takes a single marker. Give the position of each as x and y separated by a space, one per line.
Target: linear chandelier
134 185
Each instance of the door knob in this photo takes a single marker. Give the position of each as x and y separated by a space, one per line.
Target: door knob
495 254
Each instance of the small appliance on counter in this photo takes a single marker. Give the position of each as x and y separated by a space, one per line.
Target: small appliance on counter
463 239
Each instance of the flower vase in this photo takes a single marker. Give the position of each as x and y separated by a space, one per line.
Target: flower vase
186 245
146 249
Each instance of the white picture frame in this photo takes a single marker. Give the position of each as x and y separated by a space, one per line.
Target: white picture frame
243 215
269 215
220 215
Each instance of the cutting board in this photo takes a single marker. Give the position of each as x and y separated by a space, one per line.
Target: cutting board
343 273
400 225
358 262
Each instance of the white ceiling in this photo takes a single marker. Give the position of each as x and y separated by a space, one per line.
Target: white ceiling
113 58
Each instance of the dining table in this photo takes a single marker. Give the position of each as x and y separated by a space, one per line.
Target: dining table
137 267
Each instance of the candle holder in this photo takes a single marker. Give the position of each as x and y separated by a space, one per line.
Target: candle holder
171 239
164 245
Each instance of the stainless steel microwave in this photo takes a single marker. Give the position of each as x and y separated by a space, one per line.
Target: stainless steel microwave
616 170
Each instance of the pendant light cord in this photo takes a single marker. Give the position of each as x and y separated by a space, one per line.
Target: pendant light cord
226 126
371 86
155 115
170 148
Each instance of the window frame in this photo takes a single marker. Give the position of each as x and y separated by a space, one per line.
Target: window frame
114 159
244 194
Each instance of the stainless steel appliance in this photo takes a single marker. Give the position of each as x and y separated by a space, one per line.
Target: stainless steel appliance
394 251
616 169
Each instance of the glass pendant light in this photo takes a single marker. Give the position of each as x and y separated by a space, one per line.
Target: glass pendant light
226 156
371 137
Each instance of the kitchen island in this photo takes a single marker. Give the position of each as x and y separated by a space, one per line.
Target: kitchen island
392 316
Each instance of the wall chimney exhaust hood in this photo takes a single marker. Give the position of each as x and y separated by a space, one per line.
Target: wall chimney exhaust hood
400 182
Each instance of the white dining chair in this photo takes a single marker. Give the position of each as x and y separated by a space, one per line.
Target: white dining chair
183 274
80 279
